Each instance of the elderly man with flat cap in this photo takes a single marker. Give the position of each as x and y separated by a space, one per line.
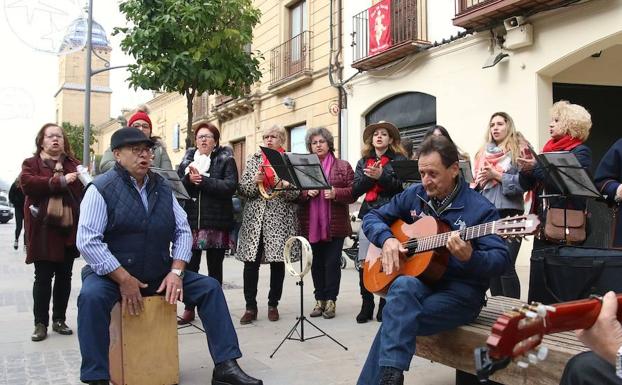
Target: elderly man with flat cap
128 220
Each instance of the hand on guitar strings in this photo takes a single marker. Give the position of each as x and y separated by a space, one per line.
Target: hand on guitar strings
605 336
391 250
459 248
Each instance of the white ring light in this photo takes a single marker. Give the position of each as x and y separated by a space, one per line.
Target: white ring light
307 254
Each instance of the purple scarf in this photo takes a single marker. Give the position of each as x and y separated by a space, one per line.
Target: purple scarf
319 208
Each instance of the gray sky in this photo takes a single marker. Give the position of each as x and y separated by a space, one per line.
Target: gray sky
31 31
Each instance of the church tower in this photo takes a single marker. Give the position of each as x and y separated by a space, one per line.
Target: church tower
72 67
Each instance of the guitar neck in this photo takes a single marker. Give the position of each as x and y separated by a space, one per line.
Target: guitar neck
439 240
575 315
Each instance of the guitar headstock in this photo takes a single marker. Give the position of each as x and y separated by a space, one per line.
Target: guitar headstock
517 226
515 334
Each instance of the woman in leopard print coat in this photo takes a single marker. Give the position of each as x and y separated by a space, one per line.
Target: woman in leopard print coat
266 225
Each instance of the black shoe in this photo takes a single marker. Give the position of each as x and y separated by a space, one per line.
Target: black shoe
391 376
230 373
380 307
61 327
366 313
15 244
40 333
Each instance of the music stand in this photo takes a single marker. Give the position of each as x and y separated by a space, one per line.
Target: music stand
302 171
173 179
300 320
568 176
407 170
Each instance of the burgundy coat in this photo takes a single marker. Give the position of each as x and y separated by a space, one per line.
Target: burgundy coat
48 242
341 178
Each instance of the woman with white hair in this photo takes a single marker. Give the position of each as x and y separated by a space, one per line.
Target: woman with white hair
267 222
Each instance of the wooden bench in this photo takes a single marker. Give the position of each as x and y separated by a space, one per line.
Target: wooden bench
454 348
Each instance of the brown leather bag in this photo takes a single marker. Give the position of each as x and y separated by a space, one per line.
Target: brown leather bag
575 225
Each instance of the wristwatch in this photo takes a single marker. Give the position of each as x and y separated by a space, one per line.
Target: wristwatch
619 363
178 272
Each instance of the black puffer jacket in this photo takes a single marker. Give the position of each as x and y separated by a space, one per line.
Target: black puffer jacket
210 206
389 182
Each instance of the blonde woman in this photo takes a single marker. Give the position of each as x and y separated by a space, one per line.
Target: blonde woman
496 178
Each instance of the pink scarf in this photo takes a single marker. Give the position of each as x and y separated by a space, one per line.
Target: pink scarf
319 208
495 156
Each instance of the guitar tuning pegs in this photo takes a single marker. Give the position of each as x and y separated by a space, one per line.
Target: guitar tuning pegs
542 353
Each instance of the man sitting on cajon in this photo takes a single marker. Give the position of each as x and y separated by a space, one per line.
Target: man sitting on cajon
129 217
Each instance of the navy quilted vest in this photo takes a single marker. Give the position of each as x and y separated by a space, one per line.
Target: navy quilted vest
139 239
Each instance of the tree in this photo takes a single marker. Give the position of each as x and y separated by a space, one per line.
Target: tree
191 47
75 134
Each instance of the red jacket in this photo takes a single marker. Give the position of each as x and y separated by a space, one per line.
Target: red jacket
48 242
341 178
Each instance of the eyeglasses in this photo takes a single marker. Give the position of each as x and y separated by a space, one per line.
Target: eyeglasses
320 141
53 136
139 150
270 137
205 137
141 125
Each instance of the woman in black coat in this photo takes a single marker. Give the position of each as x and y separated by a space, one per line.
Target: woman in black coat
210 175
375 178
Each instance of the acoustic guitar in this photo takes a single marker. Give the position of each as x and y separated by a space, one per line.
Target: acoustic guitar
519 332
426 255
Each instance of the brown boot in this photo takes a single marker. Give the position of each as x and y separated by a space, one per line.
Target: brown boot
273 313
331 307
40 333
318 309
187 317
249 316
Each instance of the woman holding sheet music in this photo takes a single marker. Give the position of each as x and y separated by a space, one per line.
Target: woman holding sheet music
375 178
266 224
325 220
496 178
209 174
569 128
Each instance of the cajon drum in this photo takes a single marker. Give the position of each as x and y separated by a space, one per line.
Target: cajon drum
143 348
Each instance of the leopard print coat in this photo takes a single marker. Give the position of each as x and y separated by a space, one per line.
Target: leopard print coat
275 219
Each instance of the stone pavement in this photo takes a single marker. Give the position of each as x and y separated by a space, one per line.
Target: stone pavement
56 360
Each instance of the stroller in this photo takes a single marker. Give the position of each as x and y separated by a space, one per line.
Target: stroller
352 250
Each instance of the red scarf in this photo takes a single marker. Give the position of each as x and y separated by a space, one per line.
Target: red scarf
565 143
268 180
372 194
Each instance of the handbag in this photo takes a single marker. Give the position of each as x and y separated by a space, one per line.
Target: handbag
565 225
567 273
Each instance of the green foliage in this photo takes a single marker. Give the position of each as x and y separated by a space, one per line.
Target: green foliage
190 46
75 133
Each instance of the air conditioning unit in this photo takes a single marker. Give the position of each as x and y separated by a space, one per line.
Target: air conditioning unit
519 37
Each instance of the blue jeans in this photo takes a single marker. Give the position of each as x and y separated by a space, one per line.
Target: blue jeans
99 295
416 309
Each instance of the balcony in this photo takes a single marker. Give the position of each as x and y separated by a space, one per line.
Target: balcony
481 14
290 63
408 34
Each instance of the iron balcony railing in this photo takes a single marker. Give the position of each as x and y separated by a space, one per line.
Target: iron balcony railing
291 58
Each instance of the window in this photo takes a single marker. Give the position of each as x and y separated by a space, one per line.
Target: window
297 139
176 130
297 25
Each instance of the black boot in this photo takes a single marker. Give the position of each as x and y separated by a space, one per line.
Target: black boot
367 311
391 376
230 373
380 307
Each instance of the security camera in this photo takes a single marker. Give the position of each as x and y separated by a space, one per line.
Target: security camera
513 22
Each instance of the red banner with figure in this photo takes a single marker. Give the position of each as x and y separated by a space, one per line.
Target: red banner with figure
380 27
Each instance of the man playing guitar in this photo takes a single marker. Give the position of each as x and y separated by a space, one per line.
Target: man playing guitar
416 306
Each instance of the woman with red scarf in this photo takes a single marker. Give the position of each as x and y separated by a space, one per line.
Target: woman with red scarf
266 224
325 220
569 128
375 178
496 178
